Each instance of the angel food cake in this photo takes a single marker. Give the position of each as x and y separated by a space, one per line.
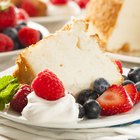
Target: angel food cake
117 23
66 78
73 55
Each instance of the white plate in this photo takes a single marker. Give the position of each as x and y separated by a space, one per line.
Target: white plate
123 118
131 57
7 59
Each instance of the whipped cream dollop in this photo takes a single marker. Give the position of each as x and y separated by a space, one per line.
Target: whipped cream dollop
40 110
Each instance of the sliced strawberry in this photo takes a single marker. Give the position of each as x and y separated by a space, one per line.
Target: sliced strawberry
138 98
132 92
119 64
114 100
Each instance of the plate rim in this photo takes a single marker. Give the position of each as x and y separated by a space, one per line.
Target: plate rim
130 116
125 58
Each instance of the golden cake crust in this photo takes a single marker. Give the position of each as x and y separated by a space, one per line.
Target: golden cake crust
103 15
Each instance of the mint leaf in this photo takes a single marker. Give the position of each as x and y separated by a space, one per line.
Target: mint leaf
6 80
7 94
2 104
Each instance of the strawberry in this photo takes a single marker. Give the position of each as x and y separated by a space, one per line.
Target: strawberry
138 98
47 86
7 16
21 15
114 101
82 3
6 43
59 2
34 7
19 100
28 36
132 92
119 64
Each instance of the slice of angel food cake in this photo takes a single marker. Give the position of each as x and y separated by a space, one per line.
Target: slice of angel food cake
66 77
117 23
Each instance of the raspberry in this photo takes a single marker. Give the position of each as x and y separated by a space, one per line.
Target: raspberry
6 43
19 100
47 86
28 36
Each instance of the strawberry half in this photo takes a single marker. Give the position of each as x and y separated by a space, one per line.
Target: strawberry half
132 92
138 98
47 86
114 100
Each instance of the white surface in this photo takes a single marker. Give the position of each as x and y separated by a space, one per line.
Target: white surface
7 59
130 116
125 58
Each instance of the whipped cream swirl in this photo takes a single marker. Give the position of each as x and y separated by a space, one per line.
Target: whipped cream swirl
39 110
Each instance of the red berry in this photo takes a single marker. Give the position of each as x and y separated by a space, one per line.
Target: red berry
59 2
47 86
21 15
28 36
29 7
114 100
132 92
7 18
7 41
119 64
138 98
82 3
19 100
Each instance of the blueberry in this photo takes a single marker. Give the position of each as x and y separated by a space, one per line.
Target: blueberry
17 45
94 95
21 25
134 74
92 109
125 77
100 85
11 32
127 82
84 96
138 86
81 111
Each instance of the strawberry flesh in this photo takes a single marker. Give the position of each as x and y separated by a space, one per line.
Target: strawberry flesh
119 64
132 92
114 100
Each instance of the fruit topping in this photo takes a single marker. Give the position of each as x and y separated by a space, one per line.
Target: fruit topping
81 111
11 32
8 87
82 3
28 36
59 2
114 100
34 7
19 100
100 85
134 75
127 82
138 86
125 77
47 86
132 92
6 43
7 16
21 15
84 95
119 64
92 109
